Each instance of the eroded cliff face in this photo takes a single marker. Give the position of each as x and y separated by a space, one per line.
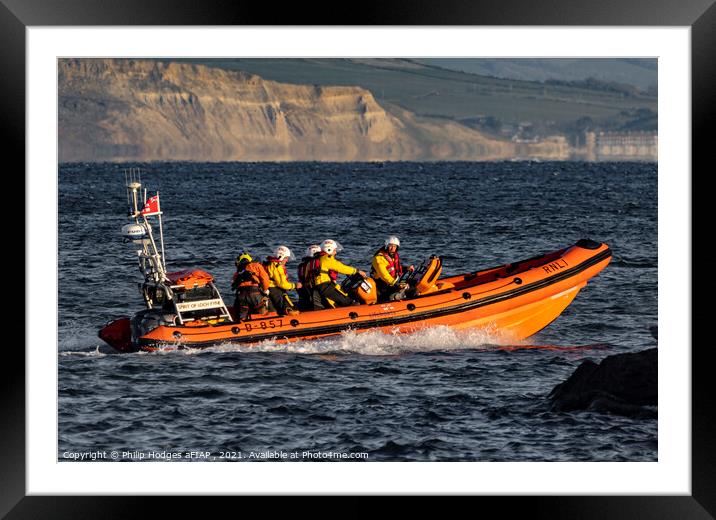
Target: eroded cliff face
145 110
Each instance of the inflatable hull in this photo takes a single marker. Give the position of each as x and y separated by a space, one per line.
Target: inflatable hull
512 301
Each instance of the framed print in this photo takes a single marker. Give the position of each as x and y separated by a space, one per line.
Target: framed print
425 413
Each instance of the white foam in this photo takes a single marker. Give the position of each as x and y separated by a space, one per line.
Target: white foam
84 353
373 343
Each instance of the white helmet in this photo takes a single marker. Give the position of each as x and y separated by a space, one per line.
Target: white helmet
392 240
313 249
283 252
330 247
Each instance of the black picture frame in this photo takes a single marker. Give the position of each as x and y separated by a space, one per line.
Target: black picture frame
700 15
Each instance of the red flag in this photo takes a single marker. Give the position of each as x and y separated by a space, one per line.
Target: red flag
151 207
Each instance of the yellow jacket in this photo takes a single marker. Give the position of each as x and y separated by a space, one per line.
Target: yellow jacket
380 269
278 277
328 264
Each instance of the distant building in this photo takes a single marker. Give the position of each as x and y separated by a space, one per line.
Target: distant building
615 146
549 148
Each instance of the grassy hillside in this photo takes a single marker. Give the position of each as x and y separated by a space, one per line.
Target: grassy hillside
489 103
639 72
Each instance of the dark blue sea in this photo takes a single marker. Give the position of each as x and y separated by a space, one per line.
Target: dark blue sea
438 395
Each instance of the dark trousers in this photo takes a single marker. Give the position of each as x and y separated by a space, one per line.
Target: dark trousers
389 292
308 299
248 301
280 300
329 291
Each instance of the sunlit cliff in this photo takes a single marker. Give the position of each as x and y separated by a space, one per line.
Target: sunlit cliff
146 110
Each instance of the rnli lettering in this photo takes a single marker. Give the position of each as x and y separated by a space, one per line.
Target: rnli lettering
555 266
264 325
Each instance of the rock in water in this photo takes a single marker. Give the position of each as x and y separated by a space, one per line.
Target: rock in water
624 384
654 330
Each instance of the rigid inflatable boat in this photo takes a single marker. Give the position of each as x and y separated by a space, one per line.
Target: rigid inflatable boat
514 301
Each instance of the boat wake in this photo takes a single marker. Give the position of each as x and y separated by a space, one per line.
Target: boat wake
370 343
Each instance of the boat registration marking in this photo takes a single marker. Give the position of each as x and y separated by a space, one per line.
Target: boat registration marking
264 325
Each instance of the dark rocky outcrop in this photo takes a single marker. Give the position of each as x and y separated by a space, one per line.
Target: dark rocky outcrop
623 384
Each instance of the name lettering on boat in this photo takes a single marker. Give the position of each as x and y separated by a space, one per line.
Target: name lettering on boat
555 266
195 306
263 325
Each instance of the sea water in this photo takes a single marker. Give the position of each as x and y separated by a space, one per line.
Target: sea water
437 395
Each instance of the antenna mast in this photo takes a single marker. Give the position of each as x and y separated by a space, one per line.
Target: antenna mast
151 262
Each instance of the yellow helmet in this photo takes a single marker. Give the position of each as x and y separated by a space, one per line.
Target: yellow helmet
243 258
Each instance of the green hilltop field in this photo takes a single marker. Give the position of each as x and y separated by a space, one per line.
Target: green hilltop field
638 72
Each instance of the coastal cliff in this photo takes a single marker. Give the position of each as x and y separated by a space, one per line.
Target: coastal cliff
147 110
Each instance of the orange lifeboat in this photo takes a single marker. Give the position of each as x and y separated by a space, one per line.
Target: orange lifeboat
516 300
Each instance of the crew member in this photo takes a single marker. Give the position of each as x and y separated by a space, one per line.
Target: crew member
251 284
325 273
386 270
305 292
279 285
